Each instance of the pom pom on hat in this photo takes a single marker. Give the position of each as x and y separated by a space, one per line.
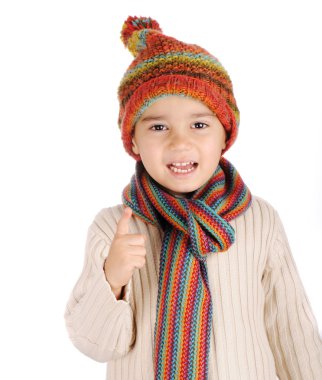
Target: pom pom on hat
134 32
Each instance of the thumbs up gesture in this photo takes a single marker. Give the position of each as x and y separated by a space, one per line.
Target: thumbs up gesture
127 252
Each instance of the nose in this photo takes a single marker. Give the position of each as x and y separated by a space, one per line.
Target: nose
180 139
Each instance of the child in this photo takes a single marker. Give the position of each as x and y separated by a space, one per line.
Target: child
193 278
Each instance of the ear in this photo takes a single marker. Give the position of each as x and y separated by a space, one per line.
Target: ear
135 147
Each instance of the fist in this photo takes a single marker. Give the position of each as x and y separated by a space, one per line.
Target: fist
127 252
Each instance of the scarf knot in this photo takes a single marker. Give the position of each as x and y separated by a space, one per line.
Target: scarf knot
199 222
208 231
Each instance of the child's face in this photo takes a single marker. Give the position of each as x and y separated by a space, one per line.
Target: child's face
180 142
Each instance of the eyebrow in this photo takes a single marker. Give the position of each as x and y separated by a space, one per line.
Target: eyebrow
162 117
151 118
203 114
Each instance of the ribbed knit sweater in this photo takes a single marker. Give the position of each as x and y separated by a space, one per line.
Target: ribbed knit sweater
263 325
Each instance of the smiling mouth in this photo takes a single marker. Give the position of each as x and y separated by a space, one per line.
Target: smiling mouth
182 167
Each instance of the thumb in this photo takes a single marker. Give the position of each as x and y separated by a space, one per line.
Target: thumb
123 224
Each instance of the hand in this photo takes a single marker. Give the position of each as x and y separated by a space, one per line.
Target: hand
127 252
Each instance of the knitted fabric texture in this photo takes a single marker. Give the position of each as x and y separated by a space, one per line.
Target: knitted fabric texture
164 66
193 227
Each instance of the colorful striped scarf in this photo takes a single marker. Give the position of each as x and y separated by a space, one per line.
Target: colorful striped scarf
193 227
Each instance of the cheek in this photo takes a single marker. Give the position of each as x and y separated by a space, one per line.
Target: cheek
214 145
150 146
140 146
150 155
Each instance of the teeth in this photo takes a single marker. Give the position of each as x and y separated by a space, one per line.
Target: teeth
178 164
176 170
182 167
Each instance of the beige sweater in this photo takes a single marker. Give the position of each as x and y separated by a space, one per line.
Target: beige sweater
263 325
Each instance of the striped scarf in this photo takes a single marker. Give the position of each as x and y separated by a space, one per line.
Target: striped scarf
193 227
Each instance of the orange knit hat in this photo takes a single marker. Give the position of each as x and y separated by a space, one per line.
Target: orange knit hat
164 66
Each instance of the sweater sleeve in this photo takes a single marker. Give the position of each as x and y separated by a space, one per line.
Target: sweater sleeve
99 325
291 326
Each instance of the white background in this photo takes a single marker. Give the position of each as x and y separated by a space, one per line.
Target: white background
62 160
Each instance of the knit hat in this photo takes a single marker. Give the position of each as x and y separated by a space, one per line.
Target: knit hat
164 66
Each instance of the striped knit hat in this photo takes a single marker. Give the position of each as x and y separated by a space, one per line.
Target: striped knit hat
164 66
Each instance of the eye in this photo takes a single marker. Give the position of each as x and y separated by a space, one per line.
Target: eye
199 125
158 127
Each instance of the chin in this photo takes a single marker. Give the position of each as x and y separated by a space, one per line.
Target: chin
181 191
